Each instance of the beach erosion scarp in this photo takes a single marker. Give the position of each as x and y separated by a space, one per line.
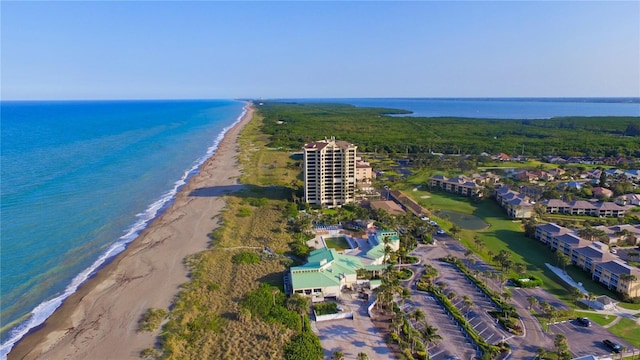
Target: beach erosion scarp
100 320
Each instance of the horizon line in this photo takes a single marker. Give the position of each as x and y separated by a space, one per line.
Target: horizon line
326 98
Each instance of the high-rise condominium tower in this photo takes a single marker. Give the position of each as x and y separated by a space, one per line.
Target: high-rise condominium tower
329 172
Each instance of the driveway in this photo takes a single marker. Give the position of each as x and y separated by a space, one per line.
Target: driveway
352 336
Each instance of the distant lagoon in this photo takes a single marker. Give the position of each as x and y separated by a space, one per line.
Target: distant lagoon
497 108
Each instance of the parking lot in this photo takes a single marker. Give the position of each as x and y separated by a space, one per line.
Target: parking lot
454 343
477 314
585 340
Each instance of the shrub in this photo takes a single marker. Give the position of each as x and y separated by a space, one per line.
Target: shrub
405 274
527 282
326 308
258 202
151 319
260 302
244 212
303 346
246 257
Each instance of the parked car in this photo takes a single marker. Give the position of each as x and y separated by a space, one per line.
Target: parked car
433 223
616 348
614 251
441 232
583 321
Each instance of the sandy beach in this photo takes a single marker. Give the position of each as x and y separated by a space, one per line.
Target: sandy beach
100 320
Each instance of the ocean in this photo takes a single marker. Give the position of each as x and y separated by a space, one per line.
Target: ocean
80 180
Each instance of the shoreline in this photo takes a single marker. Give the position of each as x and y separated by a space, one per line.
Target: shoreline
103 314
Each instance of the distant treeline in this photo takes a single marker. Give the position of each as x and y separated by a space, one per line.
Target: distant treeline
376 130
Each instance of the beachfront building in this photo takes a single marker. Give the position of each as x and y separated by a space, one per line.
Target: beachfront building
328 271
329 172
593 257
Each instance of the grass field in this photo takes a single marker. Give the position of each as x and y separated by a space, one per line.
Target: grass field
628 330
629 306
600 319
338 243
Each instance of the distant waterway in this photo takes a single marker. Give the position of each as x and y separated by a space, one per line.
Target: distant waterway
499 108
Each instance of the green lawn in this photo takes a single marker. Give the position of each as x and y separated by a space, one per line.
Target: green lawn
504 234
629 306
338 243
600 319
628 330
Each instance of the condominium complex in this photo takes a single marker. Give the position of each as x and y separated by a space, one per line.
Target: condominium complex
329 172
593 257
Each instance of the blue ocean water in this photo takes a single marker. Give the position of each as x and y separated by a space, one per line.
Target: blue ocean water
80 180
500 108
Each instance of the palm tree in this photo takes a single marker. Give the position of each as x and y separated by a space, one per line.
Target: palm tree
478 242
563 260
506 295
397 321
299 304
337 355
561 345
577 295
362 356
533 301
418 315
590 297
468 303
630 278
455 230
430 335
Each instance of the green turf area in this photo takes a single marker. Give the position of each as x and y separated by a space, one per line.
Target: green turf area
629 306
628 330
600 319
338 243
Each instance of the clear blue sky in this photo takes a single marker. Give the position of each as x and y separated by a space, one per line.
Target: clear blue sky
162 50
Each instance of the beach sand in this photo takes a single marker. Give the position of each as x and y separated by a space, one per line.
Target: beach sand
100 321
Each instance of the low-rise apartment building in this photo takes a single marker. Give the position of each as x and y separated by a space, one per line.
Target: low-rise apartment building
581 207
619 233
460 185
593 257
517 206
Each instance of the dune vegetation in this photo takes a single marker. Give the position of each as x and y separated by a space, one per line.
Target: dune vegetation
209 319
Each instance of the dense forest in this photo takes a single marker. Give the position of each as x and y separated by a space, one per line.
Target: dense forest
386 130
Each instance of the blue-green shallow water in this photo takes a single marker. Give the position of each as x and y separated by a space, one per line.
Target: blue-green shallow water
79 181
